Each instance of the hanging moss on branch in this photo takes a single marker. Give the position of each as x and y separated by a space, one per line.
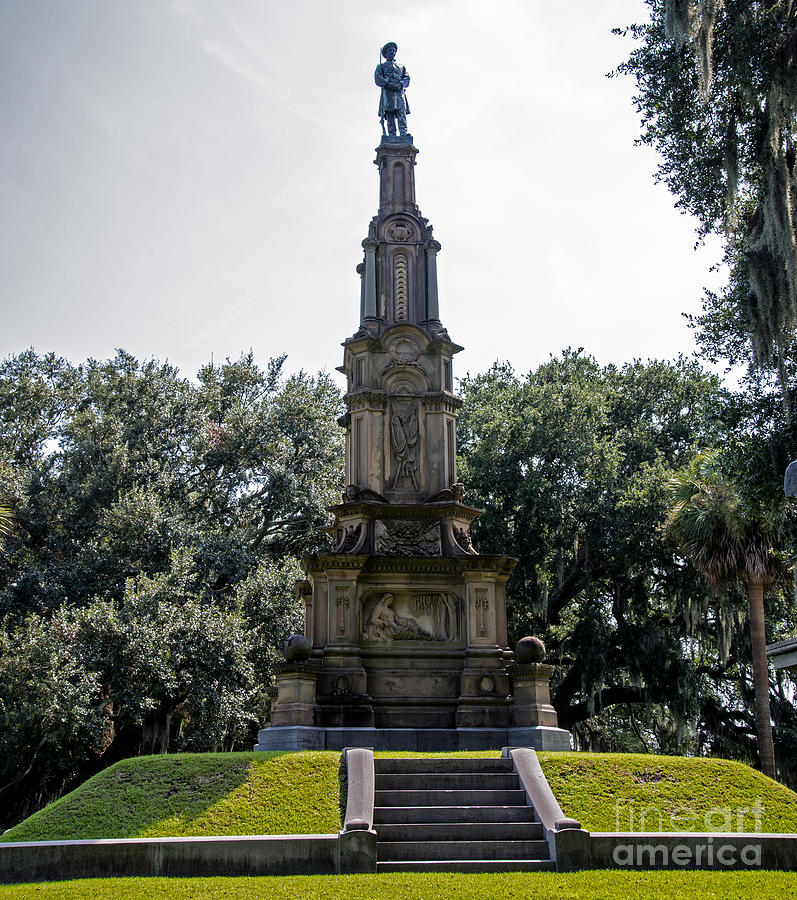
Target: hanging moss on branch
717 91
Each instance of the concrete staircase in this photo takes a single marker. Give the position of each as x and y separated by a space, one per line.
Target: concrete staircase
455 815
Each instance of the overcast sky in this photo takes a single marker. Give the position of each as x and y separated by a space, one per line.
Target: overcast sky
192 178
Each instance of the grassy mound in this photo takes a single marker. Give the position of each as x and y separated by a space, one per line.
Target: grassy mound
196 794
300 793
640 792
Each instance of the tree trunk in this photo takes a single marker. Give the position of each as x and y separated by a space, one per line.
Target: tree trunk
766 750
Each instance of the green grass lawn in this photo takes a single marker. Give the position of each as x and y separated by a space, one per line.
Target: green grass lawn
196 794
441 886
612 791
300 793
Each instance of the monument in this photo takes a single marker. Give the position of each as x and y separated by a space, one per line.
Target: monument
405 623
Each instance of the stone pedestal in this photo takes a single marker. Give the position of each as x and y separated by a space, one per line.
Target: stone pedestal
409 641
295 701
531 696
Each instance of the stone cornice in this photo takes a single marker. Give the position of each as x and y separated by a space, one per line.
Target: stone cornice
447 345
532 670
373 509
500 565
365 397
434 565
321 562
298 668
413 649
303 588
441 401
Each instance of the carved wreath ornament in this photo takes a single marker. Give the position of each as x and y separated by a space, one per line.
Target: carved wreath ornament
400 231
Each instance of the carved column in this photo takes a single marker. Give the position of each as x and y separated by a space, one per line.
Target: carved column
484 690
432 305
370 245
304 593
361 273
342 689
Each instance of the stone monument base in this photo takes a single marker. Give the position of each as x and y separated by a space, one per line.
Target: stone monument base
423 740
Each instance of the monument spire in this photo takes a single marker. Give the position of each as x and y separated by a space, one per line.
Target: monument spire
405 622
401 405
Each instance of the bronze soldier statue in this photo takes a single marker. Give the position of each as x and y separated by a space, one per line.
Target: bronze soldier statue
394 80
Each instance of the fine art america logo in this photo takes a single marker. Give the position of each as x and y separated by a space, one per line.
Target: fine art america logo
676 843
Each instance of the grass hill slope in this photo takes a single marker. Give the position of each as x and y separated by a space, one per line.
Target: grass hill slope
300 793
196 794
641 792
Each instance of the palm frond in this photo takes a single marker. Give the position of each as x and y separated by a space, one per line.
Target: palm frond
714 530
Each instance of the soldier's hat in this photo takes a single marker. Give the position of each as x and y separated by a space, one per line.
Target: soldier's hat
392 44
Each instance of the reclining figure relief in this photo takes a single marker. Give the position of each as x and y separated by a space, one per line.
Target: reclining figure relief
386 625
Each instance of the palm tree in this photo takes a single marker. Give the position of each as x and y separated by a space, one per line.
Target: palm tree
725 541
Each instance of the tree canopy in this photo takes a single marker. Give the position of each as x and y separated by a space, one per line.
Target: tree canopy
717 93
571 463
146 581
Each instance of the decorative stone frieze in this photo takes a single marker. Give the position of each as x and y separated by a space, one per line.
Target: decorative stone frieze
405 537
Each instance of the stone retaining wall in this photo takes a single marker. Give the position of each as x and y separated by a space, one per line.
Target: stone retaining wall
692 850
306 854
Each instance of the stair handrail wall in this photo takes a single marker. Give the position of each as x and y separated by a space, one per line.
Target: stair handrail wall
540 795
360 789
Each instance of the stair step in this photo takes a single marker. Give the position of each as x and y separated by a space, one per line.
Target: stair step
445 765
450 798
461 831
435 814
464 850
467 865
436 781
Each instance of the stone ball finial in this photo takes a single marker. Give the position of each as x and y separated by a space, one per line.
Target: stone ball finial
297 648
529 650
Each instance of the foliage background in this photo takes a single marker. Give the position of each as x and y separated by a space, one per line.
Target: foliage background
146 583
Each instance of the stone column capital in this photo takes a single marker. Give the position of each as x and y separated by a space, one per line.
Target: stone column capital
433 247
360 269
370 244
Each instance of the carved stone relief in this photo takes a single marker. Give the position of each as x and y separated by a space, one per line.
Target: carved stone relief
348 538
400 230
487 685
385 624
403 444
353 493
341 685
341 609
405 351
482 605
462 537
432 616
400 295
443 612
407 537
